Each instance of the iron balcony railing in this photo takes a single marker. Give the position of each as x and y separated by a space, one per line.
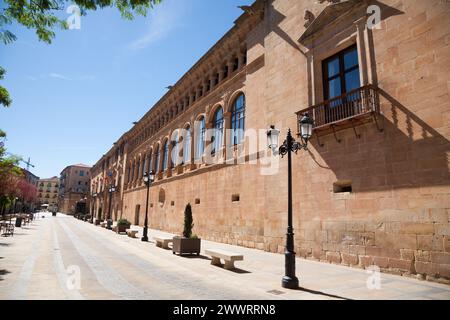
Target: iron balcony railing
358 102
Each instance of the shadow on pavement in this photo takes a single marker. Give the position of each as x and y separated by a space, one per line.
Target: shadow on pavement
193 256
322 293
236 270
2 273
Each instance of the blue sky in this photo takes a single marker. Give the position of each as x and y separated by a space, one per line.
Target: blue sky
74 98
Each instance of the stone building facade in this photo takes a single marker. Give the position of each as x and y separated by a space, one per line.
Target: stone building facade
48 191
373 188
74 186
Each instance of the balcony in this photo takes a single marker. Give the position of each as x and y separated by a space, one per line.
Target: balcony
348 110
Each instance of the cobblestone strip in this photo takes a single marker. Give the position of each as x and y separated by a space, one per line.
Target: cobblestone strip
105 274
61 271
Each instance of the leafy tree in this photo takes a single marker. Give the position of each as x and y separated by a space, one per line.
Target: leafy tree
10 175
5 100
41 16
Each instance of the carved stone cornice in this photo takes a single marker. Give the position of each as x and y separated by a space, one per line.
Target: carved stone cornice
330 14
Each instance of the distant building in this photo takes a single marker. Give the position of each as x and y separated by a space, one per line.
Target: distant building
74 186
33 180
48 191
30 177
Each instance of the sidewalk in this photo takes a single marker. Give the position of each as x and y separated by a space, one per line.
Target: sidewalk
322 279
36 262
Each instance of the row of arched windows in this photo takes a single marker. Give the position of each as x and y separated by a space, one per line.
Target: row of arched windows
233 64
152 161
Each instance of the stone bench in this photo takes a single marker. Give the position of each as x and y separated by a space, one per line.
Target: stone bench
163 242
132 233
228 257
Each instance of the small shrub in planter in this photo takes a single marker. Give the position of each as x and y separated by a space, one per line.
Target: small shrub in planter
123 225
188 244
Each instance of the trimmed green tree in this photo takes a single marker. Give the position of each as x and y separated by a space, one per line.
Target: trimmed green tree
188 222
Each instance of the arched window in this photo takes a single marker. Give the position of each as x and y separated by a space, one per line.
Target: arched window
187 146
132 171
201 139
149 162
144 163
238 119
158 159
218 131
175 151
166 155
138 169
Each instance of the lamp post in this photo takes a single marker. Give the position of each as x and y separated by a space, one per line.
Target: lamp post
290 281
112 189
148 179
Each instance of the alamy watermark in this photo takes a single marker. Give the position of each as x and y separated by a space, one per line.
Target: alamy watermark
73 277
374 19
208 147
374 280
74 20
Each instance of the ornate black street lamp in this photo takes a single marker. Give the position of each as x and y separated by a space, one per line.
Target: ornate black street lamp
111 189
290 281
148 179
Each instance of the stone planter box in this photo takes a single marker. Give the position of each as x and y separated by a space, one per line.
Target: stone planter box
123 228
186 246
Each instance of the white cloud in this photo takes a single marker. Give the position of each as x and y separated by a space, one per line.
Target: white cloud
162 20
54 75
58 76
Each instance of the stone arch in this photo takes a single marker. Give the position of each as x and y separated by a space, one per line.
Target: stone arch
200 116
213 111
232 98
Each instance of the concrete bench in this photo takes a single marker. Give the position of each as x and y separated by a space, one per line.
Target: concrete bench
163 242
132 233
228 257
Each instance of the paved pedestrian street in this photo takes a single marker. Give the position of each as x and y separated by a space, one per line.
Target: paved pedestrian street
64 258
